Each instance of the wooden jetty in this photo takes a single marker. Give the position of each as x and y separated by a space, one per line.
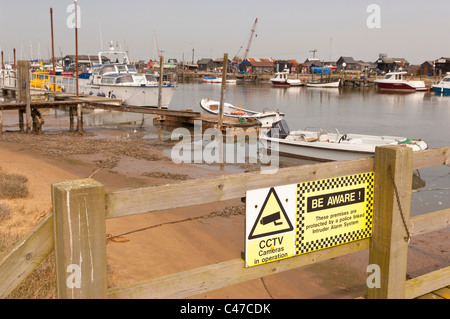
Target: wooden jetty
78 101
162 116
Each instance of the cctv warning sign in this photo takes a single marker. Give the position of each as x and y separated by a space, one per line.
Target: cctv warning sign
272 218
295 219
270 234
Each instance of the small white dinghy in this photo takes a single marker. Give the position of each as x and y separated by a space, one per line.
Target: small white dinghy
267 118
328 85
325 146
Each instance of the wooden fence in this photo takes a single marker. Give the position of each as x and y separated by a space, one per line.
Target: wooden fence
76 230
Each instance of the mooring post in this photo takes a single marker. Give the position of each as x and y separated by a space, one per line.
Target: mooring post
21 127
80 239
390 237
80 118
223 89
23 75
160 82
71 117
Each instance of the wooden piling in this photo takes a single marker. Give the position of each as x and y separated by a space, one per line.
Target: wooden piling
21 126
23 75
80 242
79 119
389 242
223 88
161 70
71 119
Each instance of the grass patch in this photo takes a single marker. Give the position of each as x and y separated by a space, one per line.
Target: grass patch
5 211
13 186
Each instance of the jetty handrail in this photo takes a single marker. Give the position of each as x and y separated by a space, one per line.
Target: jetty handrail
67 83
51 231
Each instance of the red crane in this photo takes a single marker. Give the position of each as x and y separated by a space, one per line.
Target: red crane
236 58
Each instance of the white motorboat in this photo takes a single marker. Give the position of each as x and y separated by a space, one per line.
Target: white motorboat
321 145
443 86
324 85
282 79
266 118
396 81
121 80
209 79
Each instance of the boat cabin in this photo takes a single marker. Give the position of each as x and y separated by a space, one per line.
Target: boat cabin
41 80
397 76
100 72
281 76
131 79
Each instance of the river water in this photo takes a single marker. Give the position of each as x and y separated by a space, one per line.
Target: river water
423 115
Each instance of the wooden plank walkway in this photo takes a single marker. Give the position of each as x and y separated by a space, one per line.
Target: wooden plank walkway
163 116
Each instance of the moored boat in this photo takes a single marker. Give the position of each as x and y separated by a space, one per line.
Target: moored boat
322 145
443 86
266 118
210 79
282 79
122 80
334 84
396 81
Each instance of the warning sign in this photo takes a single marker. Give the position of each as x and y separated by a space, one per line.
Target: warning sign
272 218
334 211
270 234
295 219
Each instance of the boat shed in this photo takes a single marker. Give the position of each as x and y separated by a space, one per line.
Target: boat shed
350 63
391 64
256 65
206 65
442 65
285 65
427 68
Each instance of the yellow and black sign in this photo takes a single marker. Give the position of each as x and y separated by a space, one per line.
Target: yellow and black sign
272 218
327 213
270 234
334 211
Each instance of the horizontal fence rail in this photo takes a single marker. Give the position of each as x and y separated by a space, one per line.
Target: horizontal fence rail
40 242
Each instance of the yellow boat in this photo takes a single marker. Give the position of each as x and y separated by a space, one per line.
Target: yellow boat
43 80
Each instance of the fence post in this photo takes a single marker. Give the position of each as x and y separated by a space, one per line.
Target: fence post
80 239
389 242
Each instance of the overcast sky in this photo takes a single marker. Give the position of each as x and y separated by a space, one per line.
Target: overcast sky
415 30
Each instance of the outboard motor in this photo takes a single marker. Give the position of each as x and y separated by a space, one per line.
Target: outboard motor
279 129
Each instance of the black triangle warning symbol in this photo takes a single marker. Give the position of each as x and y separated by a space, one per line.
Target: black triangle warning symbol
272 218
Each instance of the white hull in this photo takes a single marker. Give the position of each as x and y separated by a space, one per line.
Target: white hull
282 79
266 118
334 149
132 95
396 81
443 86
219 80
324 85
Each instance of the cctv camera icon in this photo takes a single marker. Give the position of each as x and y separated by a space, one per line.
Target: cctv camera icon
271 218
